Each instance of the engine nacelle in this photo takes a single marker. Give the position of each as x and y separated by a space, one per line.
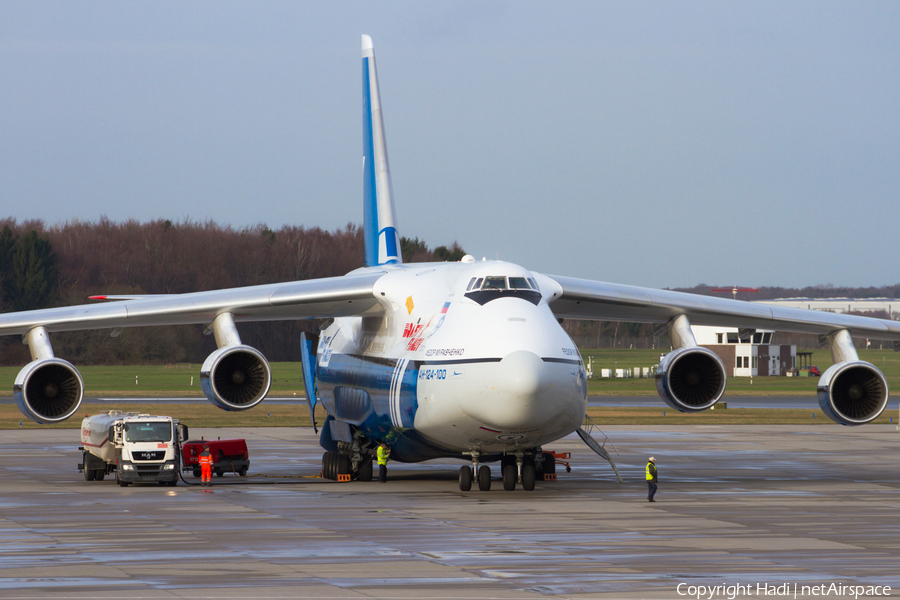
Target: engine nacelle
853 392
48 390
690 379
236 377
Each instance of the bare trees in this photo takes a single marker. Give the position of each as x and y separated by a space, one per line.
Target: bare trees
65 263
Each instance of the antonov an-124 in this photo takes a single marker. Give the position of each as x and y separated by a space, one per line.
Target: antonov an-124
459 360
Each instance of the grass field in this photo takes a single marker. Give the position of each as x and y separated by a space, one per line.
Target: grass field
169 381
159 381
297 415
886 360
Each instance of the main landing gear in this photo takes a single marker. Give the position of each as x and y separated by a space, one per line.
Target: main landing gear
515 468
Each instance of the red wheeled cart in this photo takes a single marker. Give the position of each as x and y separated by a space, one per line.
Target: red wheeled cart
229 456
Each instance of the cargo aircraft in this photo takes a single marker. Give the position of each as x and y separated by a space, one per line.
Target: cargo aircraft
464 360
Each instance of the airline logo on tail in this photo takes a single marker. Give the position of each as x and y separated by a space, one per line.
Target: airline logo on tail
380 221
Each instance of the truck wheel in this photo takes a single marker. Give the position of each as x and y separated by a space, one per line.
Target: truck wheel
242 471
172 483
99 474
197 473
219 472
88 474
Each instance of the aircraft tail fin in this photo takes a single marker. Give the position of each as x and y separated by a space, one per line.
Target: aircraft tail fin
380 221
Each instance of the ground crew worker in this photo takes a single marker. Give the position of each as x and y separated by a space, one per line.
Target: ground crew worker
651 479
384 452
206 467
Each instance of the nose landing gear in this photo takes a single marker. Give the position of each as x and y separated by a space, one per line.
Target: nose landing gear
466 474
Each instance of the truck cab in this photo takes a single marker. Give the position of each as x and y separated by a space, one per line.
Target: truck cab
138 448
148 448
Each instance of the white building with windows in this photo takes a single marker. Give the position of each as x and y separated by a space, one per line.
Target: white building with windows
746 353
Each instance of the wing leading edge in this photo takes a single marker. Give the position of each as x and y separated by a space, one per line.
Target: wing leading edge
586 299
311 299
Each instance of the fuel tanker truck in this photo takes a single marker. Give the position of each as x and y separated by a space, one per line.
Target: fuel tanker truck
137 448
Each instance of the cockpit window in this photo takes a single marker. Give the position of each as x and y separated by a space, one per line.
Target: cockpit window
519 283
533 283
494 283
477 285
471 283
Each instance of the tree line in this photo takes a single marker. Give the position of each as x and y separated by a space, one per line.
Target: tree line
60 265
44 266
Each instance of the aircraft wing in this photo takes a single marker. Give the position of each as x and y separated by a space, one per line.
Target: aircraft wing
311 299
585 299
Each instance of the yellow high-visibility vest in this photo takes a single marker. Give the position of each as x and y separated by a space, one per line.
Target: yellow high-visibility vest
383 454
649 474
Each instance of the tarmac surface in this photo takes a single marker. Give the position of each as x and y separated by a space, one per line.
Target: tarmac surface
804 505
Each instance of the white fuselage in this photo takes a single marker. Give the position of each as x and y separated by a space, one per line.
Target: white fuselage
455 367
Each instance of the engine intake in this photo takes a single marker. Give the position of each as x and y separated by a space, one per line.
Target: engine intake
853 392
49 390
236 377
690 379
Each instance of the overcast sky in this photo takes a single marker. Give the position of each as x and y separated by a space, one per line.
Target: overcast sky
657 144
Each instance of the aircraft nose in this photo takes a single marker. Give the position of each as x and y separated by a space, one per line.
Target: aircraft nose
521 392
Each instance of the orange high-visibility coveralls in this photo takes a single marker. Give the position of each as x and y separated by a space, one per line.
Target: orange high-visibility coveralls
206 467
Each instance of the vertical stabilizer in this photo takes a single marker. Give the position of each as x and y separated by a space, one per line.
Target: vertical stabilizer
380 222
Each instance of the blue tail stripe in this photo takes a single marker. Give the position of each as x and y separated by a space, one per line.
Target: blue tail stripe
370 207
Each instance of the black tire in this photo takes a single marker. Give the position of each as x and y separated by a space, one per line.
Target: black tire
465 478
528 477
243 471
344 465
549 463
484 478
507 460
99 474
89 474
510 475
219 472
172 483
365 470
198 473
329 470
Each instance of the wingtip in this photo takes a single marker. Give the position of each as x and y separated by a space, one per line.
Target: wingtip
367 42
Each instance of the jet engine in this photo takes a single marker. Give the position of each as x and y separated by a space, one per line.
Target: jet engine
853 392
236 377
690 379
48 390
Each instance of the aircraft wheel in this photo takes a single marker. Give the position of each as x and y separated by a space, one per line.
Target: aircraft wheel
327 465
344 465
509 477
465 478
484 478
528 477
365 471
